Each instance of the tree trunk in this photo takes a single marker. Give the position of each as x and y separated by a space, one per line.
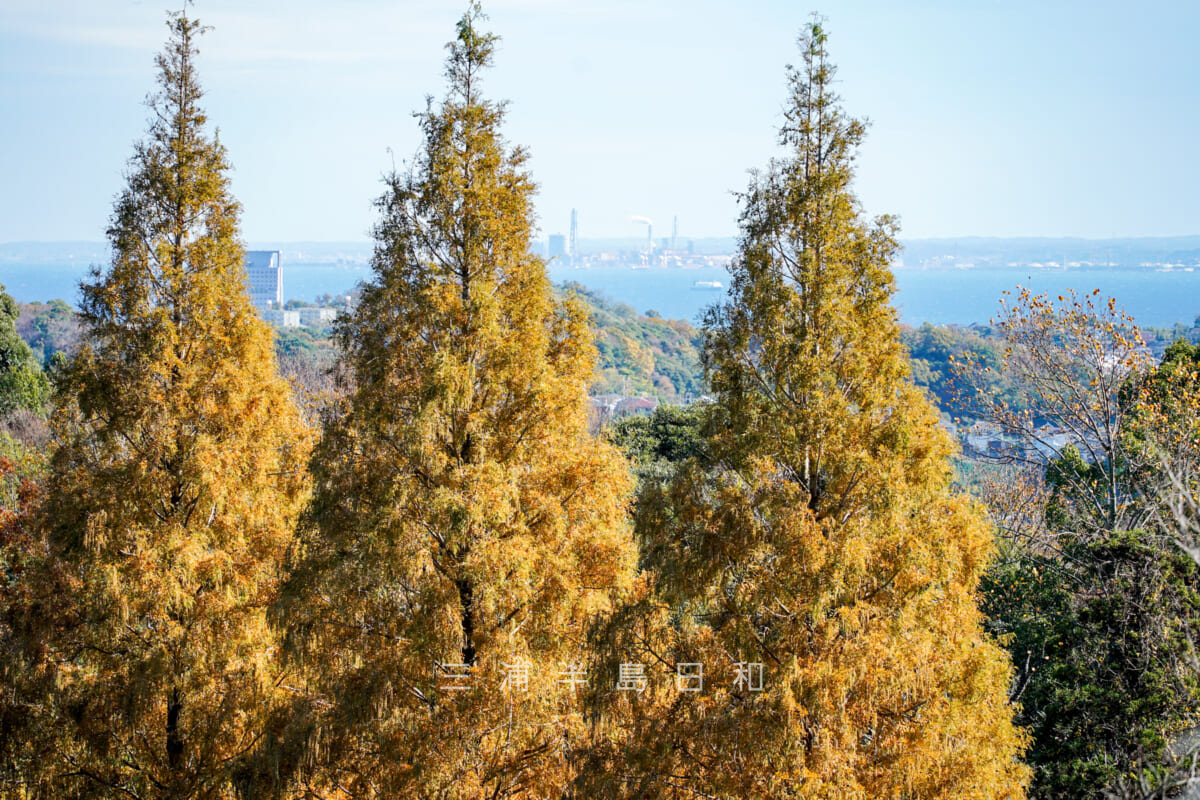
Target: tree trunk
466 595
174 738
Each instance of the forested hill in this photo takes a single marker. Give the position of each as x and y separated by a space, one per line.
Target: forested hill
642 354
639 354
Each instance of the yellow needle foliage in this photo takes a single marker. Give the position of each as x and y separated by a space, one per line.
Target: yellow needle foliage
465 527
819 537
176 482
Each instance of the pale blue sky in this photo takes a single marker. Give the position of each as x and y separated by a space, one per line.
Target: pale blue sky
1016 118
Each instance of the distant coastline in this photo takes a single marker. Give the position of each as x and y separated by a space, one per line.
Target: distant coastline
969 252
943 281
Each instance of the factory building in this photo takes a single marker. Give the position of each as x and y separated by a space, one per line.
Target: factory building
281 318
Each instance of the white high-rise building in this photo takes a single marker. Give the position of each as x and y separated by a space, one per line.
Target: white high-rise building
264 278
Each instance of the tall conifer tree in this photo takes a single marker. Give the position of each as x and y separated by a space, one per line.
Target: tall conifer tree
819 537
176 483
465 526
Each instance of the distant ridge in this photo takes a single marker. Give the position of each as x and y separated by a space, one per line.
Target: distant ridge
76 253
84 253
981 251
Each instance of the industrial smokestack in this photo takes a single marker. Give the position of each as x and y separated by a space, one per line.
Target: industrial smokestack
649 231
574 244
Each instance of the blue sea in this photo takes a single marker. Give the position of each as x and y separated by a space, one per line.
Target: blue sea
940 296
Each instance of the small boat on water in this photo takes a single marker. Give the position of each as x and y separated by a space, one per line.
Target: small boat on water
708 286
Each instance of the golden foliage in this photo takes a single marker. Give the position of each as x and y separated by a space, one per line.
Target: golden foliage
1068 360
1164 435
463 520
820 538
460 606
175 484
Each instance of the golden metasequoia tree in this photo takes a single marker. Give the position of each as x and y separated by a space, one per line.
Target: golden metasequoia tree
813 629
465 527
176 483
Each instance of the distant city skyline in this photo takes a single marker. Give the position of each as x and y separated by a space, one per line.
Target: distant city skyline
988 118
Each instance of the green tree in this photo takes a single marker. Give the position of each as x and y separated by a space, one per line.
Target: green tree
464 523
1164 434
655 443
1095 602
1099 628
22 382
175 485
821 539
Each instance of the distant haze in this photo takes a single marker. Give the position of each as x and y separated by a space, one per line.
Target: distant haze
970 251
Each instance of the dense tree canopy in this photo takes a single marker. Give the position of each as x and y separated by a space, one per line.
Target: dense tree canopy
174 487
461 591
1094 600
819 537
465 526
